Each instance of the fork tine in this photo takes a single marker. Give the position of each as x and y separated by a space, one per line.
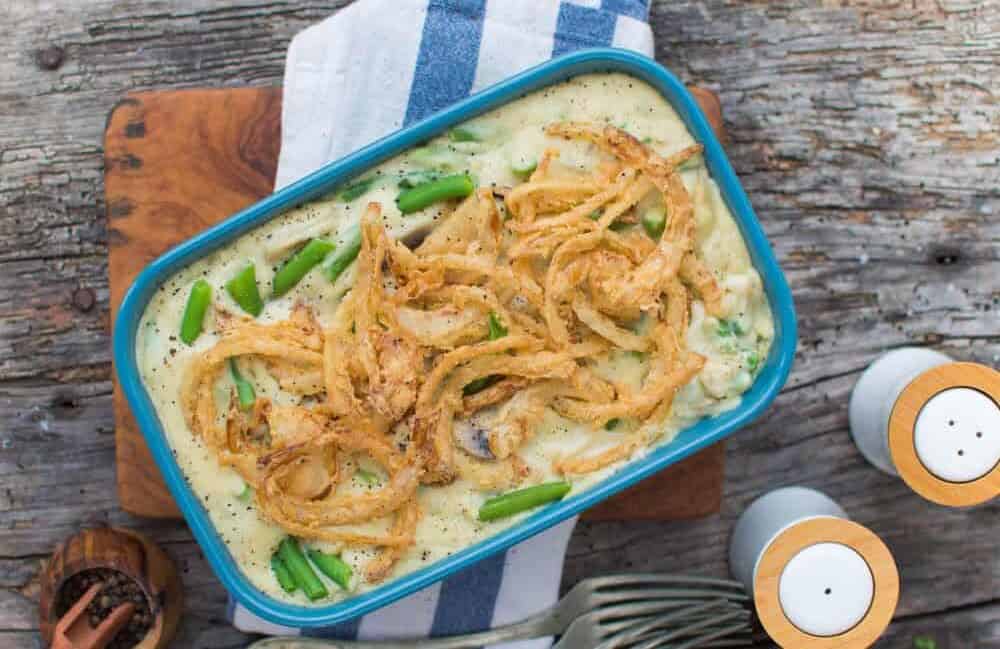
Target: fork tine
638 579
636 629
706 620
617 624
659 640
668 593
706 640
645 609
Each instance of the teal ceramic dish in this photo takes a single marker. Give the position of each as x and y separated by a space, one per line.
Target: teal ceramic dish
768 383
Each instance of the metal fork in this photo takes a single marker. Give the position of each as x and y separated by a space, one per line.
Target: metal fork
604 612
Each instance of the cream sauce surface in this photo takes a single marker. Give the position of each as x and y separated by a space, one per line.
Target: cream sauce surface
510 136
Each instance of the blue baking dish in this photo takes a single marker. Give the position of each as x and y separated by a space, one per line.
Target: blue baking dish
769 381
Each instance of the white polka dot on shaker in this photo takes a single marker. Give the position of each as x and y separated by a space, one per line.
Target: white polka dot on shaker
817 578
934 422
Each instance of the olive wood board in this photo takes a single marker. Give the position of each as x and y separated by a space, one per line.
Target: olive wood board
179 161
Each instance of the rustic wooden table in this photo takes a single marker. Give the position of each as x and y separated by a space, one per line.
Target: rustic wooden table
866 134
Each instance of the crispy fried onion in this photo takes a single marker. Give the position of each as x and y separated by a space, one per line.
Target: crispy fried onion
391 375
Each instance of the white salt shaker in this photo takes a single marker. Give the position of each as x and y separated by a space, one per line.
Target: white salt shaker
817 578
935 423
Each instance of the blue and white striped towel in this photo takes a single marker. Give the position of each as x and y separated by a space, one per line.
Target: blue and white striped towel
376 66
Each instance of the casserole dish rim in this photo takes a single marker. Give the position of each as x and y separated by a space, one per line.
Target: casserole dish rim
768 382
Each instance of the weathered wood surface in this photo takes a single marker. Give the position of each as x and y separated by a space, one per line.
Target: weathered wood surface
866 134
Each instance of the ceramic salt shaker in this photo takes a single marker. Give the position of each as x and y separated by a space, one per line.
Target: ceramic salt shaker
934 422
818 579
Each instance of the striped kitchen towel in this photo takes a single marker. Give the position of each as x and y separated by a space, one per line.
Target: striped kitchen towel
379 65
368 70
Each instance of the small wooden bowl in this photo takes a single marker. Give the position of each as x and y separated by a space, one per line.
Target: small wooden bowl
128 552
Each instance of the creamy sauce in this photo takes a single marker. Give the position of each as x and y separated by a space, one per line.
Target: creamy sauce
511 135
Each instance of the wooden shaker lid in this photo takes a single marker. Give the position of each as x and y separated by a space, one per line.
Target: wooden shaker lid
903 441
820 533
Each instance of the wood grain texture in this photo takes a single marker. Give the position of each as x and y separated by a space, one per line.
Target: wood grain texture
177 162
865 133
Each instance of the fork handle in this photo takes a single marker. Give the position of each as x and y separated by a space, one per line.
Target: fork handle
536 626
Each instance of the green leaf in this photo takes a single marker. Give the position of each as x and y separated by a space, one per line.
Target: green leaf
729 328
497 330
246 495
654 221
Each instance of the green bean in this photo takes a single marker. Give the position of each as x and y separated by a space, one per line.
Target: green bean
464 134
194 311
356 189
305 577
436 157
301 263
368 477
924 642
282 574
480 384
457 186
518 501
244 389
654 221
414 178
343 255
693 162
243 289
523 168
617 226
497 330
332 566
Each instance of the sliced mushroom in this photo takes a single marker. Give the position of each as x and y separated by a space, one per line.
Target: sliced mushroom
416 236
473 438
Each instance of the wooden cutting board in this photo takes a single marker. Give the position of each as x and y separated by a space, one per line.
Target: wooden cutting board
178 161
